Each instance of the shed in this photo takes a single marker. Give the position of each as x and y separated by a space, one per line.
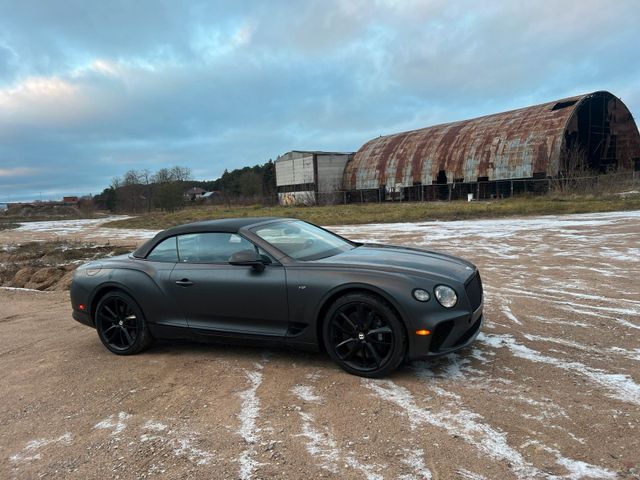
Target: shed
309 177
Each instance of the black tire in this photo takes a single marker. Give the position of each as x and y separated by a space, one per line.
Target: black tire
364 335
121 324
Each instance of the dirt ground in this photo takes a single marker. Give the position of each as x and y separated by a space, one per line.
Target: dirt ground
551 389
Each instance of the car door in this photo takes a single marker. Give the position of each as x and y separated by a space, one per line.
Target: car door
219 297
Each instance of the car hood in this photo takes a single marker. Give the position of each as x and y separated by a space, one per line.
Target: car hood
410 260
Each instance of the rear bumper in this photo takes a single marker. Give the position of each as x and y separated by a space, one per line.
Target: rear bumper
83 317
449 336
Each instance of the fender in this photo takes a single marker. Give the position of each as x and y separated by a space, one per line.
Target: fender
157 306
358 286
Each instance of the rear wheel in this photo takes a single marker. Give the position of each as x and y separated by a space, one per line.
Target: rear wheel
121 325
364 336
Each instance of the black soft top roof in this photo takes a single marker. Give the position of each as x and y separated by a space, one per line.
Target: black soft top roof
227 225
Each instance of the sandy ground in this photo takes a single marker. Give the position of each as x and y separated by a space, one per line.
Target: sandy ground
551 389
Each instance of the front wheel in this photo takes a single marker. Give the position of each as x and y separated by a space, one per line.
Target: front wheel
121 325
364 336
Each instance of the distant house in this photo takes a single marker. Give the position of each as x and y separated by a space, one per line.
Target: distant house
195 193
70 201
3 207
210 196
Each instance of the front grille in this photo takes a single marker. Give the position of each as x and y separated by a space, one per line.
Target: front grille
474 291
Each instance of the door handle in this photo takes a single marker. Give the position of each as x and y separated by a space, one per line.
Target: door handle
185 282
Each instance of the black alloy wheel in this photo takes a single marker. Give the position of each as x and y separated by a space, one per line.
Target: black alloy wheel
364 335
121 325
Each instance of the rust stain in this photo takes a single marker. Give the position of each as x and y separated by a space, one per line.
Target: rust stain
514 144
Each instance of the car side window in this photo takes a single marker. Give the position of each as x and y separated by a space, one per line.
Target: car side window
165 251
210 247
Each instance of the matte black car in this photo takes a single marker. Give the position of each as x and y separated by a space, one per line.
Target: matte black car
283 281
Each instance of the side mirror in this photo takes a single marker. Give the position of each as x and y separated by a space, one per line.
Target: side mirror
247 258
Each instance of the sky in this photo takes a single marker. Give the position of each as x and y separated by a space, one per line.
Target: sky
91 89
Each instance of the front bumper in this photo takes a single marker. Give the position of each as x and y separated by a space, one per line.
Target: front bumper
449 336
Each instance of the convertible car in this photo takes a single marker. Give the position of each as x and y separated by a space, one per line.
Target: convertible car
283 281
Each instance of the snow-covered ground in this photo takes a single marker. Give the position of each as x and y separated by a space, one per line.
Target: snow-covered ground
551 388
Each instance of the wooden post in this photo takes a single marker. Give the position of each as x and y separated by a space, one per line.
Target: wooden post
449 185
512 188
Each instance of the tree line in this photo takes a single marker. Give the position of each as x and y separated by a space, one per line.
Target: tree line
142 190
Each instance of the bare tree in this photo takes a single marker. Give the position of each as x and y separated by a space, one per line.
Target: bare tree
162 176
132 177
574 166
180 174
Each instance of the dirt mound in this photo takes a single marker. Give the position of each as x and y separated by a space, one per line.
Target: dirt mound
48 265
44 210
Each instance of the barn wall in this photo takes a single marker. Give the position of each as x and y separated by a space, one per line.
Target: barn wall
294 170
330 168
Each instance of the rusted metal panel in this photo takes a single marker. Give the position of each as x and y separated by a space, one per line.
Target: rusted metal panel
514 144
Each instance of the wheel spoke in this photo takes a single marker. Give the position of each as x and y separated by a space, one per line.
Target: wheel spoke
363 355
112 335
110 312
106 318
128 337
383 330
341 327
349 321
350 353
370 316
361 316
121 307
346 342
376 355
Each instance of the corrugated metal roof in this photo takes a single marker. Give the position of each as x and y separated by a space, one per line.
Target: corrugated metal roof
514 144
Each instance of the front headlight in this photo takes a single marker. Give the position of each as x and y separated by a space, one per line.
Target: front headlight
446 296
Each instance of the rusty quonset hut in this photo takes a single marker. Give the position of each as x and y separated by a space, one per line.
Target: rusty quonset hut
528 143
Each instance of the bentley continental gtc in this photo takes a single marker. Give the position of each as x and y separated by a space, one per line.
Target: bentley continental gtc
279 281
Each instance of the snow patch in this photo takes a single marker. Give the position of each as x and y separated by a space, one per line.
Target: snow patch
155 426
414 459
321 445
30 452
464 423
366 470
248 429
577 469
18 289
115 423
621 386
305 392
468 475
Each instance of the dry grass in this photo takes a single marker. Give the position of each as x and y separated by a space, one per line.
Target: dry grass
5 225
394 212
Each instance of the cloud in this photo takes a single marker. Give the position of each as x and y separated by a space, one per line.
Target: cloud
90 91
16 172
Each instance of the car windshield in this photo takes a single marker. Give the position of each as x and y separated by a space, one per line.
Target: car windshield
302 241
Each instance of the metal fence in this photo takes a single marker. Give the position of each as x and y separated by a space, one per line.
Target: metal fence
482 190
